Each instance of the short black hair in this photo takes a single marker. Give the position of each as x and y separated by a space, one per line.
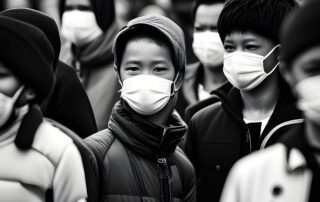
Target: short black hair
263 17
198 3
142 32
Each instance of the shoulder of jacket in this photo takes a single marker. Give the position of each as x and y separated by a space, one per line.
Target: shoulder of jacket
207 112
100 142
51 142
183 163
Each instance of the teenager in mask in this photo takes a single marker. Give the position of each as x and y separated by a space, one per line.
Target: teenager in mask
206 75
89 26
138 150
38 161
260 107
290 170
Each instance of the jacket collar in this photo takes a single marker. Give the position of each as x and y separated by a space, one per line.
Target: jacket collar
143 137
296 160
299 153
285 108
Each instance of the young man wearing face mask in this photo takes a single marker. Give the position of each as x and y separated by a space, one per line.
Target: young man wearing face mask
289 171
38 161
89 27
260 107
206 75
138 150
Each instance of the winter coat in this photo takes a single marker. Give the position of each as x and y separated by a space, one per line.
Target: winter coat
94 64
140 160
69 104
89 162
283 172
52 162
218 137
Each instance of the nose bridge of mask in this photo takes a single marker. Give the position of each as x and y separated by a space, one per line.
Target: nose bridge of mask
238 59
206 39
147 82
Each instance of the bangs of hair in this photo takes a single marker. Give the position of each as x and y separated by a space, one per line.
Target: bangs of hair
263 17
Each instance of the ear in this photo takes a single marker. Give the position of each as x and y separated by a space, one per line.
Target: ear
26 96
286 74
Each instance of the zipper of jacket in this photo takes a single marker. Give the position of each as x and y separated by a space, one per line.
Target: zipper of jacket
165 187
240 120
270 134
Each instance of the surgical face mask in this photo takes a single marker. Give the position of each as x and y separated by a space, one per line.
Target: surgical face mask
208 47
245 71
80 27
308 91
147 94
7 105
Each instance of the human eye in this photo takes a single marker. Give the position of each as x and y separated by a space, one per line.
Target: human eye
251 47
160 69
131 68
229 48
198 29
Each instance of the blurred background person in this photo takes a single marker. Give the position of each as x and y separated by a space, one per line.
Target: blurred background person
89 27
205 75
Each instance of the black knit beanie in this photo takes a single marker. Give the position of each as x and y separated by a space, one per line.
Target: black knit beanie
300 31
104 12
42 21
27 53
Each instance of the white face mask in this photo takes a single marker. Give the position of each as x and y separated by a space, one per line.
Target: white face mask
208 47
147 94
308 91
245 71
80 27
7 105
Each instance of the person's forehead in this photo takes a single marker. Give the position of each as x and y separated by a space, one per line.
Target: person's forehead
244 35
210 11
78 2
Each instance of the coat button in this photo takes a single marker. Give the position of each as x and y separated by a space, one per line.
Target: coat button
218 168
277 190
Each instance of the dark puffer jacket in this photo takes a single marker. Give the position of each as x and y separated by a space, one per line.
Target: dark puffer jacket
140 161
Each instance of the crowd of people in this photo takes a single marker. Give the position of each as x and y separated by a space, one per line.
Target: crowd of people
99 108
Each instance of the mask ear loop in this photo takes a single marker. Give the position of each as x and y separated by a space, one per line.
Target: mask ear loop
173 86
270 52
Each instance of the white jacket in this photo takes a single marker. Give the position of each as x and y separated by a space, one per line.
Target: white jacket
53 162
269 175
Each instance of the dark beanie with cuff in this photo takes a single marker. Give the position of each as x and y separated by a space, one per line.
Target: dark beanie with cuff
27 53
300 31
42 21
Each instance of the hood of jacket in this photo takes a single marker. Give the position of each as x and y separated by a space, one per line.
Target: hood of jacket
143 137
167 28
